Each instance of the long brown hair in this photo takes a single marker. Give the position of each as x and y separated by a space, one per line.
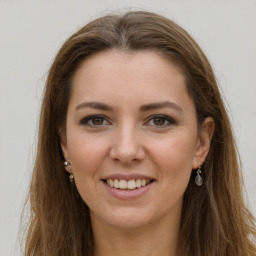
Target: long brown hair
214 220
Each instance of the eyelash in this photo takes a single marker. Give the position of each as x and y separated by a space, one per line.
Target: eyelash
168 121
85 121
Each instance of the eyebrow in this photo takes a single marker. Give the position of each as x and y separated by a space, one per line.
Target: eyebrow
95 105
147 107
159 105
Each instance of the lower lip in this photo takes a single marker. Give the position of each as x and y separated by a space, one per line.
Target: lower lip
128 193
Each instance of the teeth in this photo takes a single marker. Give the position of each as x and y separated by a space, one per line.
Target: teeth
123 184
130 184
116 183
138 183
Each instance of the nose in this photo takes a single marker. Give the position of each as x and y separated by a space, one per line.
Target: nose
127 145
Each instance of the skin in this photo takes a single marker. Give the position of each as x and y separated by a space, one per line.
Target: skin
129 140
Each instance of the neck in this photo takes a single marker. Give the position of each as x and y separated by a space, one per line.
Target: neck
157 239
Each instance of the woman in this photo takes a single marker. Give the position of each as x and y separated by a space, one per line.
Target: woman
136 154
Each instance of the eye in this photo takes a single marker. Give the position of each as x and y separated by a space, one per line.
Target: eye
161 121
94 121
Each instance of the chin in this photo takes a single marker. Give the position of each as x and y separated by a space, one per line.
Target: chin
129 224
125 219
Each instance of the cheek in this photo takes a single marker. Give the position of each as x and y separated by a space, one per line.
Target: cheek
176 151
87 156
86 153
174 160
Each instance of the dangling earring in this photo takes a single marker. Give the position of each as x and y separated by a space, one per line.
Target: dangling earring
71 177
198 178
68 168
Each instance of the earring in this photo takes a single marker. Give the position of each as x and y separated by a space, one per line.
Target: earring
198 178
68 168
71 177
66 163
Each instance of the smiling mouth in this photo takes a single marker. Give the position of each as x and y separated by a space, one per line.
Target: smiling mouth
128 184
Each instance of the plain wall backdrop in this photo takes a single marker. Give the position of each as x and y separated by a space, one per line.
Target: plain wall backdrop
31 32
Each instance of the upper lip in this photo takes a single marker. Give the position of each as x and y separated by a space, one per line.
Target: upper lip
131 176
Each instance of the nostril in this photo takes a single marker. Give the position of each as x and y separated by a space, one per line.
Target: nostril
127 152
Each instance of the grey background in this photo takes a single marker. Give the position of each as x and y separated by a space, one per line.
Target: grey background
31 32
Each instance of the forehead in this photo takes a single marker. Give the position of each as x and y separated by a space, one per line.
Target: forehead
144 76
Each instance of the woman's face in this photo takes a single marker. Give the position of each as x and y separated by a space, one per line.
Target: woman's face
132 138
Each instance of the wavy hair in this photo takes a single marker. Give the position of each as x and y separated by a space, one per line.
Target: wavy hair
214 220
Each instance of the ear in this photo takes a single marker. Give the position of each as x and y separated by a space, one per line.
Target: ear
64 148
203 142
